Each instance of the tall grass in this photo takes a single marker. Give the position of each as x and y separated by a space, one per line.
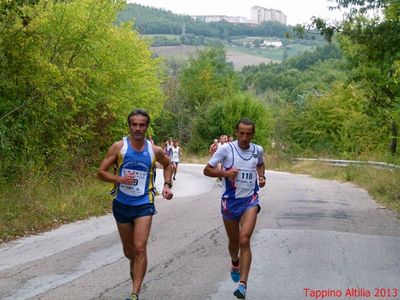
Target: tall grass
40 204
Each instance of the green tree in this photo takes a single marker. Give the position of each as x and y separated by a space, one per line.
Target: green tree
372 47
335 123
222 116
207 78
67 81
285 55
373 51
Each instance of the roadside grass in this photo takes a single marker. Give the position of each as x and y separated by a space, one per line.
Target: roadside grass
195 159
39 205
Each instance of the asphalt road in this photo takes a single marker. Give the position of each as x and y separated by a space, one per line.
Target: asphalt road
313 238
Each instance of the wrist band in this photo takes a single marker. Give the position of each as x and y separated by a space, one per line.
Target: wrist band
262 176
169 183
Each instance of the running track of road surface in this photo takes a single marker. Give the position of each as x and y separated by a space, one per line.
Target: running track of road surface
313 237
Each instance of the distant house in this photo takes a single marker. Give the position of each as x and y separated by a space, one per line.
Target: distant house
275 44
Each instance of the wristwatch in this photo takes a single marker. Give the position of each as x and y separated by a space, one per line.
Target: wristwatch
169 183
262 176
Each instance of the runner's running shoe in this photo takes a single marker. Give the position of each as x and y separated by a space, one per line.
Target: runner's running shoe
235 273
240 292
133 296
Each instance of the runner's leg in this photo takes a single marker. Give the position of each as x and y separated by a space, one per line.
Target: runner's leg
175 168
232 230
247 224
134 242
141 233
126 234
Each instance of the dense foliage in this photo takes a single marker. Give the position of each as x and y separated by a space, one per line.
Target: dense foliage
371 46
339 106
207 102
68 78
69 75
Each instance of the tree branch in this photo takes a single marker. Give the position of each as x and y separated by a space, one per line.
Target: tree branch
10 112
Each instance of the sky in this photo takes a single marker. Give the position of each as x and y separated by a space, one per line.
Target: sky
297 11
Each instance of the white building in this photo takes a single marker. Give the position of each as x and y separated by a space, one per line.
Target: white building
258 15
262 14
275 44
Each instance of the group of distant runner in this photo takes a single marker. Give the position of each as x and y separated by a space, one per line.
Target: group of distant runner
174 152
238 163
217 142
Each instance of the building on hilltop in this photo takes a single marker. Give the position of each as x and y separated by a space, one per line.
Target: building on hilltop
258 15
262 14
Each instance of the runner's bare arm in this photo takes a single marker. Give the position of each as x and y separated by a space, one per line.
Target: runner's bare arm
217 172
108 161
261 176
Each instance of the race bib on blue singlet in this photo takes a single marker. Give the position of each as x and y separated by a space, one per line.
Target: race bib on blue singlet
137 188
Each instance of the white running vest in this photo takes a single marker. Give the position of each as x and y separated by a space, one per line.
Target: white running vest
245 184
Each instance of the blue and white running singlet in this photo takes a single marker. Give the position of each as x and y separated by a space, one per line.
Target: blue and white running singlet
246 160
143 165
239 194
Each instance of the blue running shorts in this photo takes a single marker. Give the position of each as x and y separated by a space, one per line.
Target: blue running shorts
233 209
127 213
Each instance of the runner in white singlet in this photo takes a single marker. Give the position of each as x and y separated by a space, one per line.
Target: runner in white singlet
243 174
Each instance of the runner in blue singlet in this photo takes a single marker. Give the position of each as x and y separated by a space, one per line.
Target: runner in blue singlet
134 160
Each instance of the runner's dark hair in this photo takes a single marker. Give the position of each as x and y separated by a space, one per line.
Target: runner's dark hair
139 111
246 121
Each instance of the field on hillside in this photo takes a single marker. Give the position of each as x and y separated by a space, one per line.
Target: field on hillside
239 59
275 54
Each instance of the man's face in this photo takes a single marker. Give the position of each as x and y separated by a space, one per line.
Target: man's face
138 127
244 135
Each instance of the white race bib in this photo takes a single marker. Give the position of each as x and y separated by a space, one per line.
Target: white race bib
245 183
137 188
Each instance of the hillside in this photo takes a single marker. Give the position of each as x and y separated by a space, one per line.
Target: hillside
239 59
149 20
245 44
